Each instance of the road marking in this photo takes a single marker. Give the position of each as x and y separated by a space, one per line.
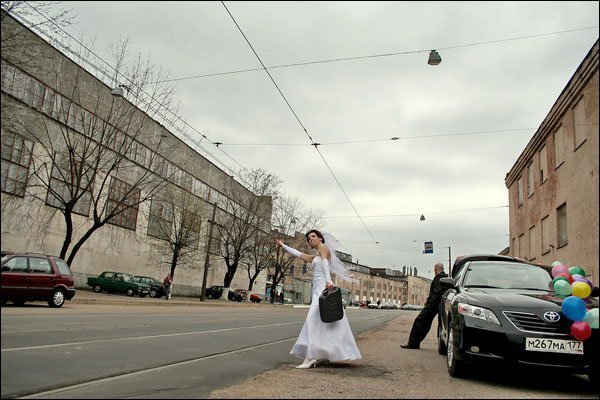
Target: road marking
162 367
46 346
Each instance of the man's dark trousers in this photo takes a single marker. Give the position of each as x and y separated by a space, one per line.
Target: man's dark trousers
422 325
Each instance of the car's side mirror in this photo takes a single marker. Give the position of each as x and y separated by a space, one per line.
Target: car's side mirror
447 283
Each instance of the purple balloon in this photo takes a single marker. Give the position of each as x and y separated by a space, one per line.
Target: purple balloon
558 269
577 277
591 285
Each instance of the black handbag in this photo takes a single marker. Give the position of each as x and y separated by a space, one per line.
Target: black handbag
330 305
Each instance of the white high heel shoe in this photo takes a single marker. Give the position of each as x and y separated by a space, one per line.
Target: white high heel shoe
311 363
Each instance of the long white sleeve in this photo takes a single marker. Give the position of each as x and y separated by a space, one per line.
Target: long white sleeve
291 250
325 264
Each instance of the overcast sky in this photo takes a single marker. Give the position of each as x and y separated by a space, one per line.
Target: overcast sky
455 181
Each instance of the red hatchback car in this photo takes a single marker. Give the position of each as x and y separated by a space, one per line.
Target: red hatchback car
35 277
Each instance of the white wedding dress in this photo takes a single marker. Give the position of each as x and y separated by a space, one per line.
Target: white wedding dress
324 341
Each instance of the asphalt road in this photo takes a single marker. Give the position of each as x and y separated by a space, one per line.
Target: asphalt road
148 351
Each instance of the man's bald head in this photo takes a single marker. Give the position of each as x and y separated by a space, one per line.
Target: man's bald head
437 268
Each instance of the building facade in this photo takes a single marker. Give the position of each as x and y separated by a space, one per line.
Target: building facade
51 108
553 186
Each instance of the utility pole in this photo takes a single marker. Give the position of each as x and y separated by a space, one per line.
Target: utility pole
207 258
449 260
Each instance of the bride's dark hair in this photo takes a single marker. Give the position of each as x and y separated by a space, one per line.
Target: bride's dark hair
319 234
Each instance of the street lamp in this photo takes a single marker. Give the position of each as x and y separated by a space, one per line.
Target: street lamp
434 58
118 91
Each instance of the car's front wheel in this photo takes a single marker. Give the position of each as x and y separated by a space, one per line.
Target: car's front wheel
456 367
98 289
210 296
593 376
130 292
441 345
57 299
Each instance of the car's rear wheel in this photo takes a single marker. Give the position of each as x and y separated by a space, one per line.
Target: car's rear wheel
153 293
456 367
210 296
98 289
441 345
130 292
57 299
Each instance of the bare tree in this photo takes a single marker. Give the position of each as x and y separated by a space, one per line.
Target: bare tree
94 154
176 216
260 257
245 214
290 220
48 17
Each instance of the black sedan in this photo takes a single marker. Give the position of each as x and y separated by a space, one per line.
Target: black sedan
503 311
156 286
215 292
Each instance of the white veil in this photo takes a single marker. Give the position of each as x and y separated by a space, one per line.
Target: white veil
337 266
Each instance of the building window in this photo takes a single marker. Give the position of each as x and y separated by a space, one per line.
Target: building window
521 251
532 243
530 180
515 251
559 147
543 165
520 191
16 154
545 234
68 181
160 220
581 128
123 200
561 225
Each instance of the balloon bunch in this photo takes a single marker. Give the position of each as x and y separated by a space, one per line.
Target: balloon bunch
571 283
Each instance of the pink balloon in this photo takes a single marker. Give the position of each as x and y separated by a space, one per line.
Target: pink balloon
559 269
581 330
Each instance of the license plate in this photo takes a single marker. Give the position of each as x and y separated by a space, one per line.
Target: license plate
554 345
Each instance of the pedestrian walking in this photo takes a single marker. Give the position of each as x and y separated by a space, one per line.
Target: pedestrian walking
168 285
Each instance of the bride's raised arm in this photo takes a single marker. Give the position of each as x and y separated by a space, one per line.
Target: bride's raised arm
294 252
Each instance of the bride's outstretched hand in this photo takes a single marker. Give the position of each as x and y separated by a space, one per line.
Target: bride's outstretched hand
278 242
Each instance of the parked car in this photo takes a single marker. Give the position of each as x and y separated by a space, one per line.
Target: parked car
215 292
503 311
118 282
373 305
253 297
36 277
156 286
462 260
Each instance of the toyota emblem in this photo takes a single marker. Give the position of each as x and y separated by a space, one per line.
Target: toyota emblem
551 316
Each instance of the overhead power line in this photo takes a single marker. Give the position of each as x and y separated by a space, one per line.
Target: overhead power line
333 60
306 133
417 214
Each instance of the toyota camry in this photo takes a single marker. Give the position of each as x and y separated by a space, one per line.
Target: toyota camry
505 311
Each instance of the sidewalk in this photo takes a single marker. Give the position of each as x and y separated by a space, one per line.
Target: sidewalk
88 296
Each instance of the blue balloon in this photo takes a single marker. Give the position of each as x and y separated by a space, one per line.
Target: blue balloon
574 308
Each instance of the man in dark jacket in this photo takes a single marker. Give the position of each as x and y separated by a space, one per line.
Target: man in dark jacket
423 322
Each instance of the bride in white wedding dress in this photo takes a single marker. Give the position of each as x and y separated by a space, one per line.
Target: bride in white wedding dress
320 341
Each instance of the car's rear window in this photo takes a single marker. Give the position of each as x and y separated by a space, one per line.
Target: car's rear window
63 267
506 275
